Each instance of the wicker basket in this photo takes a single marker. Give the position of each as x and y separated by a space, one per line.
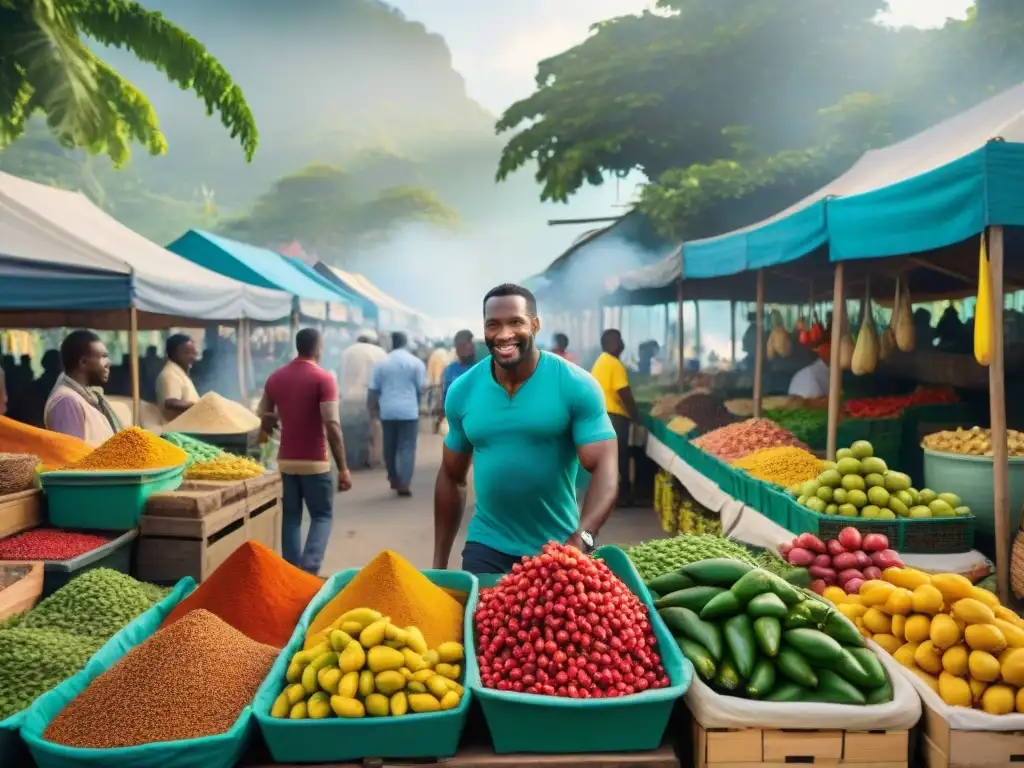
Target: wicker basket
17 472
1017 563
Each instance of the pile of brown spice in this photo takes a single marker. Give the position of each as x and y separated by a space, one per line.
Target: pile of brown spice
213 414
705 410
189 680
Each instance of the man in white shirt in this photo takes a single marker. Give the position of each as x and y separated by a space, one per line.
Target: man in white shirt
363 438
811 381
175 392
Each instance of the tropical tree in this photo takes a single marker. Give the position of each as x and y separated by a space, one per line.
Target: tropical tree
323 208
47 66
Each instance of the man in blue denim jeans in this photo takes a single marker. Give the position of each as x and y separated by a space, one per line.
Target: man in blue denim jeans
304 398
395 388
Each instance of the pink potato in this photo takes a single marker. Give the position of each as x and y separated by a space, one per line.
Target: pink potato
887 558
863 559
826 574
875 542
811 542
834 547
871 573
852 587
844 561
784 548
849 573
850 538
800 557
823 561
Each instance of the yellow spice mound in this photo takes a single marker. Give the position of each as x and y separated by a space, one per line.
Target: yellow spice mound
132 448
786 466
392 585
213 414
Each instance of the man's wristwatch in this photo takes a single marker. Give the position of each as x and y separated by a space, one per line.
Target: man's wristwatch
588 542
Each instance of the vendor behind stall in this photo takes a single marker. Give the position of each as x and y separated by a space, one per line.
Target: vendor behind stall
76 405
175 392
811 381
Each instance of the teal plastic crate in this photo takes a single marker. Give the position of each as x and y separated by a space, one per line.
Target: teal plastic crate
335 740
521 722
112 501
221 751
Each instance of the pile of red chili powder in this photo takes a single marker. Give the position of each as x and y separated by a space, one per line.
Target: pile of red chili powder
255 591
49 544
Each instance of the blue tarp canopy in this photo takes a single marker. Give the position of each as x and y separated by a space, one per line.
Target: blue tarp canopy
356 306
931 191
259 266
33 285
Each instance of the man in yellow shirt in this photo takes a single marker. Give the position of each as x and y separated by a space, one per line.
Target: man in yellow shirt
613 378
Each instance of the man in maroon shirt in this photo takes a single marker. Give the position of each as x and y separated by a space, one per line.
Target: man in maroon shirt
305 398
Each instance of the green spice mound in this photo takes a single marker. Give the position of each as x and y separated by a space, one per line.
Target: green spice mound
197 450
660 556
32 661
96 604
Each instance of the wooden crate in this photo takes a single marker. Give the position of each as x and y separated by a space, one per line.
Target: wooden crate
23 594
263 503
944 747
752 747
20 511
172 547
230 490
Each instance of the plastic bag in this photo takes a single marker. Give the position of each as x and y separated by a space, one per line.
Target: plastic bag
713 710
220 751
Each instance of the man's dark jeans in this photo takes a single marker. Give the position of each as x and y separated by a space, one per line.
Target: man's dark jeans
400 449
621 424
317 492
480 559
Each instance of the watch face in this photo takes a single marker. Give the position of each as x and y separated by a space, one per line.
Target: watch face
588 539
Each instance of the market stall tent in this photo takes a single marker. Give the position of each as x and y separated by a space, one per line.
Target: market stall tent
58 228
261 267
391 313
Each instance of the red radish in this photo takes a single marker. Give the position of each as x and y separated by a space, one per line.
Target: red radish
887 558
850 538
852 587
823 561
863 559
800 557
818 587
834 547
844 561
871 573
784 548
811 542
850 573
875 542
819 572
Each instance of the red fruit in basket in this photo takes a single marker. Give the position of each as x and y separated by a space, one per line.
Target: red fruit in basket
848 574
800 557
834 547
823 561
784 548
825 574
875 542
850 538
887 558
811 542
852 587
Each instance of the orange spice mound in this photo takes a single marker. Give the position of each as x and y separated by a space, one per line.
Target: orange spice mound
392 585
255 591
130 449
51 448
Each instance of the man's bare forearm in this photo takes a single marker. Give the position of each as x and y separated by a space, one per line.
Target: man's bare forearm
336 441
600 498
449 509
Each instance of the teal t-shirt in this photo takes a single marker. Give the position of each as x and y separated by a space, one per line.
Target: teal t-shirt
524 450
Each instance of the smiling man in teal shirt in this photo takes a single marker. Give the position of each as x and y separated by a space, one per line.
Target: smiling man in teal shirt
527 420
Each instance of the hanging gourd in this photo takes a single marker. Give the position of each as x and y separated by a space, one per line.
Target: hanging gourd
904 327
887 341
983 310
865 353
778 342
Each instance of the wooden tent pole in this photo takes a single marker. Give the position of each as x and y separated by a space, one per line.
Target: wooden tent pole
997 405
835 371
696 330
732 333
680 336
133 364
240 341
759 351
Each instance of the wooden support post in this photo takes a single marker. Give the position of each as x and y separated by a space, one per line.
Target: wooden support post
696 330
997 405
680 336
732 333
835 371
759 351
133 364
665 332
242 338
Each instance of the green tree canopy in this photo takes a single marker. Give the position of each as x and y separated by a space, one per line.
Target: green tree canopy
321 207
736 108
46 66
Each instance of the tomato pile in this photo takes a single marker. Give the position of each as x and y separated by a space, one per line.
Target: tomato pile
894 405
562 624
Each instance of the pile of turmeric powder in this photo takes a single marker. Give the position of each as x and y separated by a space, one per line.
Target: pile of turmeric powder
391 585
131 449
51 448
785 465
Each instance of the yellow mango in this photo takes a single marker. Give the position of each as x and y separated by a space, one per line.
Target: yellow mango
889 643
377 705
1014 635
954 690
905 654
450 700
406 673
899 603
927 599
1012 667
299 711
944 633
348 687
1005 654
917 629
977 689
954 660
430 658
450 652
453 686
928 657
930 680
344 707
1004 613
423 675
985 597
416 686
908 578
423 702
415 640
953 586
877 622
971 611
352 628
835 595
899 624
380 658
875 592
399 704
352 658
306 656
849 611
984 637
983 666
998 700
366 683
309 682
852 600
374 634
